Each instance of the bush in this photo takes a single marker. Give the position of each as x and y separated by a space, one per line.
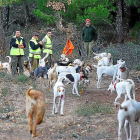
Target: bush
88 110
22 79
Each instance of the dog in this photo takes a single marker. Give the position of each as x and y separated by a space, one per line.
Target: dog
123 71
68 69
77 62
106 70
52 76
87 70
74 78
35 107
42 62
103 61
125 87
103 54
6 65
128 114
40 72
59 91
64 59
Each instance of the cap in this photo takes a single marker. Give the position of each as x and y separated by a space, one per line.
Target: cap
35 33
87 20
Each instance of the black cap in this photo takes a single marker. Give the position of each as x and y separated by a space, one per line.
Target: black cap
35 33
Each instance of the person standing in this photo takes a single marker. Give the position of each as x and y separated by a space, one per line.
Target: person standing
48 46
89 36
17 45
35 51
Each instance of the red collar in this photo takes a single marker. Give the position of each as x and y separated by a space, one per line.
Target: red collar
123 69
115 86
80 77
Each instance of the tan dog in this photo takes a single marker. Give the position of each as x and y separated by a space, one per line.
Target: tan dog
35 106
52 76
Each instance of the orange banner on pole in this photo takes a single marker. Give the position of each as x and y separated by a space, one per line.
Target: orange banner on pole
68 48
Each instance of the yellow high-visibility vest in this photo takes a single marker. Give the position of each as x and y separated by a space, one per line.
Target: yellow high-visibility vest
37 52
48 46
17 51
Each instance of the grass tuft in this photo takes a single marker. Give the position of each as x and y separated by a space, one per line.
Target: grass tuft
88 110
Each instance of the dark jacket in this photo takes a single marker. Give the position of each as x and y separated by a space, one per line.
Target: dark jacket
34 47
89 33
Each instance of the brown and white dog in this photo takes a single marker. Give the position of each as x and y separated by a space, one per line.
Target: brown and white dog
35 107
128 114
6 65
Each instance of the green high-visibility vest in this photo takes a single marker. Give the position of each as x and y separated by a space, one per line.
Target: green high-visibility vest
17 51
48 46
36 53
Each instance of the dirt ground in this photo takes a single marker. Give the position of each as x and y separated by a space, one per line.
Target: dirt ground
71 126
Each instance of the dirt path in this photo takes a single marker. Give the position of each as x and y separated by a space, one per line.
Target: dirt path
99 126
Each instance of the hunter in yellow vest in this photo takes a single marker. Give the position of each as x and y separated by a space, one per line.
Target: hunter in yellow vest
35 51
48 46
17 45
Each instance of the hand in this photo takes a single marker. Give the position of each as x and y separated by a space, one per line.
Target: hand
40 42
20 46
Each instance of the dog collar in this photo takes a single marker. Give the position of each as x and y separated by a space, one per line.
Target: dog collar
99 58
122 69
115 86
80 77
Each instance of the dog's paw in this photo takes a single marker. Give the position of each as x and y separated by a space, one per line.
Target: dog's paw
62 114
34 135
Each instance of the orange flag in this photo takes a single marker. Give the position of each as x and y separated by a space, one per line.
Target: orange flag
68 48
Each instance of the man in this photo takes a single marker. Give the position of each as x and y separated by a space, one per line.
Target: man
89 35
48 46
35 50
17 45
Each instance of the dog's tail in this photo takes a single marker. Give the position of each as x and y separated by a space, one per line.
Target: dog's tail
126 80
28 91
9 59
61 78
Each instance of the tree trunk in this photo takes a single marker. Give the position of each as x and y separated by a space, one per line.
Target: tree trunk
27 17
2 35
5 17
119 20
126 17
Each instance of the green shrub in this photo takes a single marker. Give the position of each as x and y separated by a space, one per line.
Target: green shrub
88 110
22 79
4 91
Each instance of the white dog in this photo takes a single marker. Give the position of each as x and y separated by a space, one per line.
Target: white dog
42 62
128 114
124 87
68 69
75 78
123 71
106 60
77 62
64 59
104 54
6 65
59 91
106 70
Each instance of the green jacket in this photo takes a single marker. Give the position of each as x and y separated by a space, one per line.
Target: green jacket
89 33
